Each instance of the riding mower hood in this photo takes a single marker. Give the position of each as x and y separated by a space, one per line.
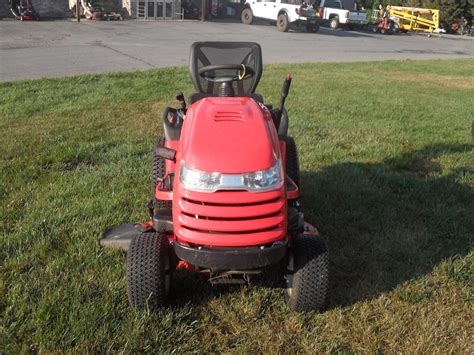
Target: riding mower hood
225 188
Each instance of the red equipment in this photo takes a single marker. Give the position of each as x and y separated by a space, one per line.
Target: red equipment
386 26
225 189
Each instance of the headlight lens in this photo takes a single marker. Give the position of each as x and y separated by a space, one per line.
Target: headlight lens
257 181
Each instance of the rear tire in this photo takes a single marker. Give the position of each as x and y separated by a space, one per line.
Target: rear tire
247 16
282 23
334 24
148 270
157 174
292 162
307 285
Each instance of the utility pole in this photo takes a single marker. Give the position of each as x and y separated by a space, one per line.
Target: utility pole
78 10
203 10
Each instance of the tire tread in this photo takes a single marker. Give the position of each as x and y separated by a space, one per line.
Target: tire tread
146 270
311 276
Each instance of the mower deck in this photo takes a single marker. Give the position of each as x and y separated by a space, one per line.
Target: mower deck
120 236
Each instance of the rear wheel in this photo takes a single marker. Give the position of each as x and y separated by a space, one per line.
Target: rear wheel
292 162
148 270
282 23
307 284
334 24
158 173
247 16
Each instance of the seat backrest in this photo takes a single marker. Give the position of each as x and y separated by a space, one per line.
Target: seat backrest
214 53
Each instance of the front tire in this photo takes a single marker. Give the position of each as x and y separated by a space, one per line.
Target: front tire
334 24
307 285
148 270
247 16
282 23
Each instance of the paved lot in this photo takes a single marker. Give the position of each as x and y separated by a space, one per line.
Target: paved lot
59 48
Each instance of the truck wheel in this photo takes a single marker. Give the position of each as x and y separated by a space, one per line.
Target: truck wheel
148 270
158 172
282 23
307 285
247 16
334 24
312 28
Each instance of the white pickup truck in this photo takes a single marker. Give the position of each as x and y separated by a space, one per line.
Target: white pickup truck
283 12
337 13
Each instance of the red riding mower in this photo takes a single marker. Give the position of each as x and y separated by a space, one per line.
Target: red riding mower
225 190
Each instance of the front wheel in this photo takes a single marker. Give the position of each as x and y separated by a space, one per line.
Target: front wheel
307 283
247 16
282 23
148 270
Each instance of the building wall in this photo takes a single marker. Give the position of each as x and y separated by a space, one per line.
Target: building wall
4 9
52 8
131 8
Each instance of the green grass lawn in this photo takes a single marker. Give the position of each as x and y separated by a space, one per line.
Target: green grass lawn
387 161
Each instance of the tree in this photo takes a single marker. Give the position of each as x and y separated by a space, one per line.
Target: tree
450 10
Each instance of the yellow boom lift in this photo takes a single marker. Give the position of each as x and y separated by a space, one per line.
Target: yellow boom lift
414 18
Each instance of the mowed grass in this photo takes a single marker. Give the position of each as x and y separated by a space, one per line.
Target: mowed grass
387 163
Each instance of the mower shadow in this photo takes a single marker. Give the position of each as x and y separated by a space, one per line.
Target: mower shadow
384 223
195 289
389 222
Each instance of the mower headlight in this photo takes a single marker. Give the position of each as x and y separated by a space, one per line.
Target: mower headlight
264 180
257 181
197 180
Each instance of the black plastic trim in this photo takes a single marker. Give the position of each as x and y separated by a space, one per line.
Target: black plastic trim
232 258
163 221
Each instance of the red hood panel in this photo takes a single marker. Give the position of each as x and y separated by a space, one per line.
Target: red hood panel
229 135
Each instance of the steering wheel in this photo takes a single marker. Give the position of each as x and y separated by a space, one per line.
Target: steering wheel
243 72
